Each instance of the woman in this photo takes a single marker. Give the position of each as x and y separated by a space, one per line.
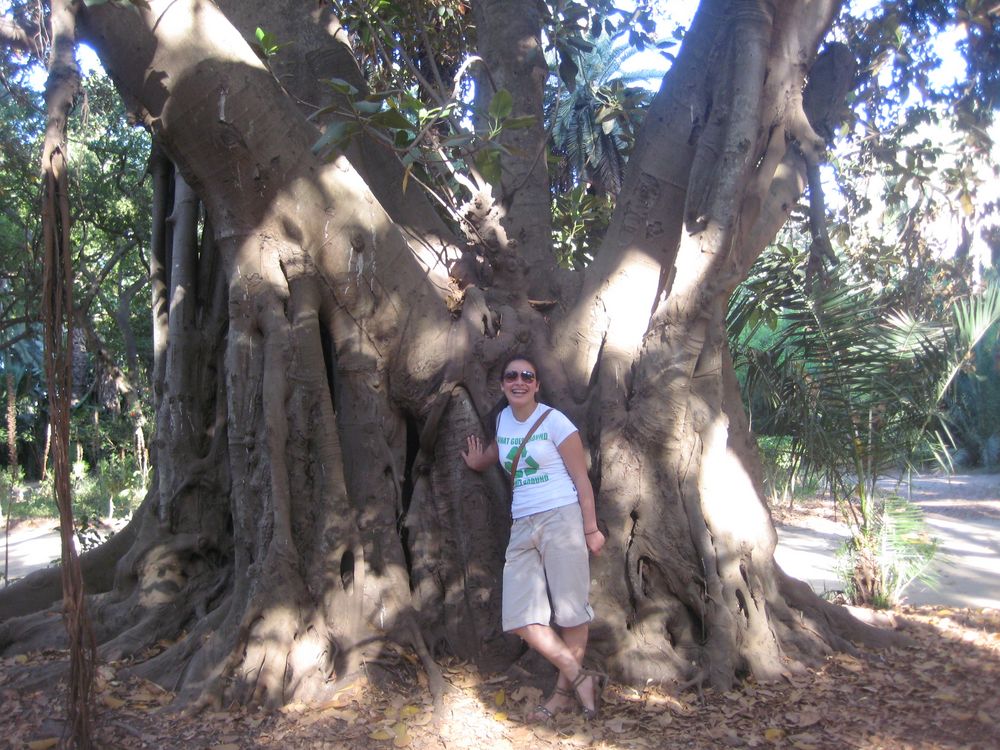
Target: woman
546 576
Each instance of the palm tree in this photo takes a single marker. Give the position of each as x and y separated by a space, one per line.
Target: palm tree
858 386
593 121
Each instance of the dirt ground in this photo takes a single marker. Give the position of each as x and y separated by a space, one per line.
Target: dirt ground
962 512
936 689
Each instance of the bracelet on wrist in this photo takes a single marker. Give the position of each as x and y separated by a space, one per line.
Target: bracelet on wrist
588 533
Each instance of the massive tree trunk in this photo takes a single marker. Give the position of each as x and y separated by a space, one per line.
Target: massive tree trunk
316 373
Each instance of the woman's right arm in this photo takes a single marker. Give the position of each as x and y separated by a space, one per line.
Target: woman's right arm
478 457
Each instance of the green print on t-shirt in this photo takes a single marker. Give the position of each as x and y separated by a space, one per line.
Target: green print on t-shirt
530 467
517 441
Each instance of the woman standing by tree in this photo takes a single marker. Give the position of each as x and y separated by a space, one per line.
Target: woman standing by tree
546 577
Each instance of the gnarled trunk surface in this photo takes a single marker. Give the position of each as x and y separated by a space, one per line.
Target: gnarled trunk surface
314 386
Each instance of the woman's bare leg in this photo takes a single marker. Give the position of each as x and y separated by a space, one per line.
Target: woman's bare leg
564 650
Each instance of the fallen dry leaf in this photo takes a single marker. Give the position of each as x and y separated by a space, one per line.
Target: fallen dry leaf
525 693
111 701
939 692
946 696
808 717
773 734
618 725
401 735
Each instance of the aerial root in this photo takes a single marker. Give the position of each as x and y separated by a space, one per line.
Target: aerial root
435 680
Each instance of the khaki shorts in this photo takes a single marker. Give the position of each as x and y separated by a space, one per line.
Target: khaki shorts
546 577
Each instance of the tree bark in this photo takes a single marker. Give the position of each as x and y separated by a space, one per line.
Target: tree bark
514 61
316 371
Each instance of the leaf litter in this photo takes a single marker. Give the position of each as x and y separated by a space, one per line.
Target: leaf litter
937 691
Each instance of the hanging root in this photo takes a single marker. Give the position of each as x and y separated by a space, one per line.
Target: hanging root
435 680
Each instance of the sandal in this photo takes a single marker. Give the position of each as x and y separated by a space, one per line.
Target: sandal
599 681
542 714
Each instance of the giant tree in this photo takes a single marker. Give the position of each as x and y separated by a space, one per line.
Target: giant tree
324 341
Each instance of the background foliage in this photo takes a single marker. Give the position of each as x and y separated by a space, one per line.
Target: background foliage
110 236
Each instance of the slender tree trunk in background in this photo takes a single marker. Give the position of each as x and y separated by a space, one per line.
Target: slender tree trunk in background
316 372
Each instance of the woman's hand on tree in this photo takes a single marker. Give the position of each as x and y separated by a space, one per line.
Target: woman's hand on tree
478 456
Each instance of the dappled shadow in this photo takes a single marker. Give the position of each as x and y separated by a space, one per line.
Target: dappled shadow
964 496
810 556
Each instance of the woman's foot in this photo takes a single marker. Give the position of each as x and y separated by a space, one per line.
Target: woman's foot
560 700
587 688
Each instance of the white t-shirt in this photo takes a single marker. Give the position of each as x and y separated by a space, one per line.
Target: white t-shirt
542 482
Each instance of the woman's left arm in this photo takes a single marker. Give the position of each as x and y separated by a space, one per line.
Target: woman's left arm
571 450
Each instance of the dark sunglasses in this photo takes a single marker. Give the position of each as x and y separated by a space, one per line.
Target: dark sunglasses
526 375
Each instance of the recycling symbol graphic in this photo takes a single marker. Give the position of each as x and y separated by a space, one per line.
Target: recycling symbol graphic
525 467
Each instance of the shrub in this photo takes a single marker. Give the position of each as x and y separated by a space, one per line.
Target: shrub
895 550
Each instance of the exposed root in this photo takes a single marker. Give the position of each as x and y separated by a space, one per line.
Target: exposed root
830 622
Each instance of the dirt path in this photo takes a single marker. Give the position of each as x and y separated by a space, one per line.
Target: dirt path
963 512
35 544
32 545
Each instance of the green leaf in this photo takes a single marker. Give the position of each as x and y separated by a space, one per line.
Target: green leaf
267 42
568 70
366 107
341 86
409 102
501 104
488 164
391 118
580 44
402 139
517 123
335 136
456 141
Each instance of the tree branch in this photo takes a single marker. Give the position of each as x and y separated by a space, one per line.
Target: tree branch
22 35
821 248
